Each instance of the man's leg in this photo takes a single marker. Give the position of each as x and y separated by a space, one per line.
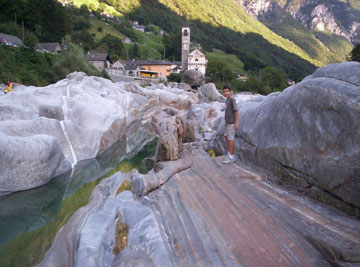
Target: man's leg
231 147
230 144
227 143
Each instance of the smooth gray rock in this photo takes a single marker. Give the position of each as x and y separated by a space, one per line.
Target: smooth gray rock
209 93
19 171
88 238
308 134
184 86
143 184
193 78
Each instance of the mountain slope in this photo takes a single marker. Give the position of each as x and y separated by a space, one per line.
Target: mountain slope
325 29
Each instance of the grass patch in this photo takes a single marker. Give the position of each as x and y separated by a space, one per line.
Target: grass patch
106 29
211 153
121 234
125 186
230 60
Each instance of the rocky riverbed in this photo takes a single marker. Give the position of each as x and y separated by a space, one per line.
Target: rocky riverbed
192 209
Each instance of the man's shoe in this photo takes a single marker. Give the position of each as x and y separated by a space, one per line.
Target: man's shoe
225 159
228 160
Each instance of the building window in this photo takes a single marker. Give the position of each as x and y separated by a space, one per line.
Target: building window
185 33
196 60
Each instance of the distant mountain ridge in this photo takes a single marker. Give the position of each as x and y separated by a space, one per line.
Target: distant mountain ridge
332 16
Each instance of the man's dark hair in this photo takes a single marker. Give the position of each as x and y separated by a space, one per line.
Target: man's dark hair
227 87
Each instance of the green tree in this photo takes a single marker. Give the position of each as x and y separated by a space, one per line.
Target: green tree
172 44
31 40
218 71
48 18
174 77
134 52
355 53
114 44
84 11
73 59
255 85
11 28
85 38
80 24
274 78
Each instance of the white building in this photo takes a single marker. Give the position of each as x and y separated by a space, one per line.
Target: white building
126 40
194 60
197 61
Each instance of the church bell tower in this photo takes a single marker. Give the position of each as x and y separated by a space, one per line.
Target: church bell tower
185 46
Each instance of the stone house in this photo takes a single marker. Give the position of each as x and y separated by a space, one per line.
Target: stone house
118 65
99 60
126 40
11 39
136 26
132 69
54 48
176 67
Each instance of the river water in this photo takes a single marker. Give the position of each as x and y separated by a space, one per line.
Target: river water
29 220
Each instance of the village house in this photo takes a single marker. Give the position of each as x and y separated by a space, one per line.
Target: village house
176 67
136 26
126 40
162 67
11 39
99 60
132 69
118 65
54 48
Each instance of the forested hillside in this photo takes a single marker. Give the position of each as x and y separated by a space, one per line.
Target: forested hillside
220 25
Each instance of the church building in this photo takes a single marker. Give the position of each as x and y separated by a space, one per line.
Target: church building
194 60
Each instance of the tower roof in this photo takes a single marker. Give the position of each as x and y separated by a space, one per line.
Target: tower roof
186 24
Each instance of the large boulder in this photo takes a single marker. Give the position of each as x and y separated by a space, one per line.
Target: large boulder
19 170
209 93
194 78
308 135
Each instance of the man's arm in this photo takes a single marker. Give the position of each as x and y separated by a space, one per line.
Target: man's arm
236 119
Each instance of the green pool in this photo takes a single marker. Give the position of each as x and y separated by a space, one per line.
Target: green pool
29 220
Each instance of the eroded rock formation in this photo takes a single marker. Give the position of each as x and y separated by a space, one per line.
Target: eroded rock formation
45 131
307 135
206 214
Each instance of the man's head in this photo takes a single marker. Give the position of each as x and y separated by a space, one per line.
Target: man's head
227 91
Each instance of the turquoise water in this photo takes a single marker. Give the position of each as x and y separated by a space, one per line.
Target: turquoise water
31 218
